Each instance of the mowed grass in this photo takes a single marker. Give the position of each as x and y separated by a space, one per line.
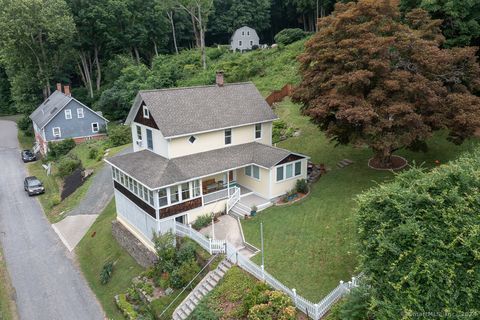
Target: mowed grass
98 247
311 245
7 304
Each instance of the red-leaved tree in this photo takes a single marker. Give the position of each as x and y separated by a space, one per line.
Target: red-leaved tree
372 77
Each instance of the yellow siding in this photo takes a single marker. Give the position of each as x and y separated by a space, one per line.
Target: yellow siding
215 140
280 188
258 186
215 207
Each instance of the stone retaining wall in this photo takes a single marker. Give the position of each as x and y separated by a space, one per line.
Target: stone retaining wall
134 247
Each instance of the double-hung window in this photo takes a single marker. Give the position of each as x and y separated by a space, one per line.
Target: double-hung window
95 127
149 139
228 136
288 171
240 43
68 114
146 112
80 113
258 131
57 133
139 133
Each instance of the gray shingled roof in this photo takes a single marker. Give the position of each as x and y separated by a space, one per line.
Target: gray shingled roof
156 171
49 108
182 111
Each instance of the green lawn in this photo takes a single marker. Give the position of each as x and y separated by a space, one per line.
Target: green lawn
7 304
92 253
310 245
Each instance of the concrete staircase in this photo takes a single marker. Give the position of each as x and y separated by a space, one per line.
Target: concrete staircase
201 290
239 210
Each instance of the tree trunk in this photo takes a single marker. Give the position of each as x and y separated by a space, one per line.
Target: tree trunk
155 48
137 54
174 36
304 22
44 57
86 73
99 70
195 32
383 159
202 38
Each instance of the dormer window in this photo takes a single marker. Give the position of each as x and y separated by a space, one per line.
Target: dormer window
146 112
192 139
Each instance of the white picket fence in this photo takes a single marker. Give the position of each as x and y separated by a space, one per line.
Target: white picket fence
312 310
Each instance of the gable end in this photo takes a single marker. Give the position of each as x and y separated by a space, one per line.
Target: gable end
149 122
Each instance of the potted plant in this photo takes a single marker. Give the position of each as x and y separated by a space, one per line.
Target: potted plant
253 211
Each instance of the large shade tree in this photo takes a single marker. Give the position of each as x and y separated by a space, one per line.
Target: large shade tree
371 78
420 243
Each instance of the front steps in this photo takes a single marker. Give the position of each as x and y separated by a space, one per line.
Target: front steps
201 290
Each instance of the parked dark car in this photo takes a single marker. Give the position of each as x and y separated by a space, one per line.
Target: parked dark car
33 186
28 156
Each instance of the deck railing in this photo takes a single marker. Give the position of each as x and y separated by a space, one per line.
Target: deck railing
234 197
313 310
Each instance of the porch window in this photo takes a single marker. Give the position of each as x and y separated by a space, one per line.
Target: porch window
135 187
279 173
185 191
258 131
150 197
253 171
298 168
289 171
174 194
149 139
228 136
162 197
139 133
196 188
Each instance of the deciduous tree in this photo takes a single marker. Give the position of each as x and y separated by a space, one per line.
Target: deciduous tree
368 78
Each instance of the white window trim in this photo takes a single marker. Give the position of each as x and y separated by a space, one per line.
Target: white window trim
284 166
255 131
139 138
98 127
191 187
191 141
251 170
240 43
146 139
146 112
68 114
80 113
59 132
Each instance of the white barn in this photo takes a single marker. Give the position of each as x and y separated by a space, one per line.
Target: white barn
244 38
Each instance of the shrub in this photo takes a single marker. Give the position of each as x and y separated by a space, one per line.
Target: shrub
184 274
203 312
301 186
281 131
287 36
202 221
60 148
164 246
106 273
67 164
424 229
126 307
25 124
93 153
355 305
275 305
186 252
119 135
254 296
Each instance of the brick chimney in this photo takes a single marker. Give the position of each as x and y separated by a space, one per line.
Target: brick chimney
59 87
66 90
219 78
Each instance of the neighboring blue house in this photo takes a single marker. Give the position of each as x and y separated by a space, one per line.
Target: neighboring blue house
244 38
61 116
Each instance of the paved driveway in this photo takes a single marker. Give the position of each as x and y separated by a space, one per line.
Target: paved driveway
47 283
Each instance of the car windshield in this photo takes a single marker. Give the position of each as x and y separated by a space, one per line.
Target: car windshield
34 183
28 152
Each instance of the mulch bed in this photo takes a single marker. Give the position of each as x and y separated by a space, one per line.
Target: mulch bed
299 197
397 163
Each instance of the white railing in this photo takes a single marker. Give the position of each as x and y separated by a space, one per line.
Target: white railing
215 196
234 197
312 310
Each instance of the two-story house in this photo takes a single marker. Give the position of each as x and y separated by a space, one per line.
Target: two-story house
199 150
61 116
244 38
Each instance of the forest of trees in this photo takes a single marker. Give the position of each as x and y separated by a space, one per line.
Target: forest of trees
87 43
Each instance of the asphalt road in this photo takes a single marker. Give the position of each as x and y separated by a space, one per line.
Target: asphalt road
47 283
